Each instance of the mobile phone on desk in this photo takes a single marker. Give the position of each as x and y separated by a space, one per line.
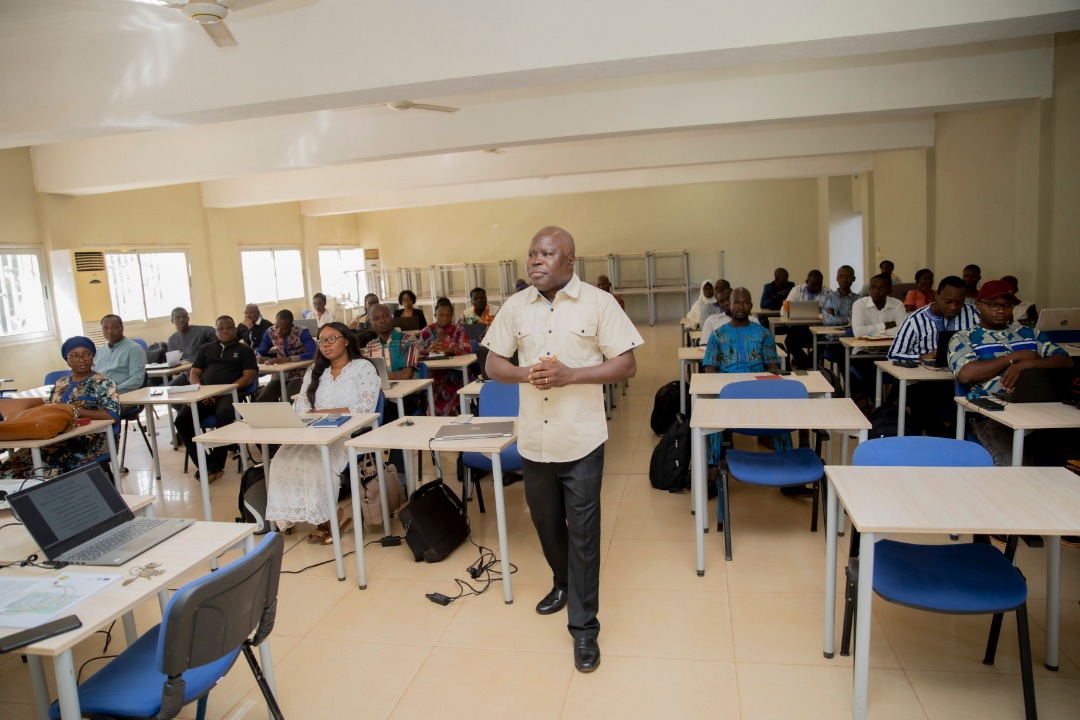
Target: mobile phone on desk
986 403
38 633
800 372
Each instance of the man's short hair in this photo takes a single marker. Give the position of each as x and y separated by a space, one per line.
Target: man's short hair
882 263
284 315
884 277
177 310
318 296
951 281
721 285
477 290
974 267
816 274
111 316
224 317
444 301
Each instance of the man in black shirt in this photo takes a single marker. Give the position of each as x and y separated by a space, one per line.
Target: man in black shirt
217 363
251 328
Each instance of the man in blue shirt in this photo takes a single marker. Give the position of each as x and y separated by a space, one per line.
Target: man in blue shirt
836 305
120 359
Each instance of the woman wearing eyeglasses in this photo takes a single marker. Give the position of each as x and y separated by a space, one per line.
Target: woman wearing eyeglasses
341 380
93 396
447 337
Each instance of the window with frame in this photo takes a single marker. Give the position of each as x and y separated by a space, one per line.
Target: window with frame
24 303
341 273
148 284
271 276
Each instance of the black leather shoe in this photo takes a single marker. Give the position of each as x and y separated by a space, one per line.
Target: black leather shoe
553 602
586 654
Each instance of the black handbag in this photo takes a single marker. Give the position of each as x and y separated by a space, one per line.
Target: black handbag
435 522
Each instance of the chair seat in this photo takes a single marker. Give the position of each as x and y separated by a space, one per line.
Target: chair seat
509 457
792 467
968 578
130 685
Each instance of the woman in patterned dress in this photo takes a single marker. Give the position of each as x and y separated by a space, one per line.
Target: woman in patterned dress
444 336
93 396
341 380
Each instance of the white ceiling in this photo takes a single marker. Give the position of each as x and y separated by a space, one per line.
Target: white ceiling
579 96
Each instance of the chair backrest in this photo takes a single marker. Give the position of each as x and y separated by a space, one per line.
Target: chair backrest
213 616
763 390
52 377
141 343
499 399
920 451
422 372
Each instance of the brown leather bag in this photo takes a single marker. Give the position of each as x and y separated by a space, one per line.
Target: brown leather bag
39 423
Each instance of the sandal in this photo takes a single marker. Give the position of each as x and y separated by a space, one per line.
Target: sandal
344 523
320 535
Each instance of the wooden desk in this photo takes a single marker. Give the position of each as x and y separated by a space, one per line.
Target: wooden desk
469 392
281 369
693 337
460 363
43 392
418 436
238 433
104 427
1016 501
816 331
1072 348
147 396
687 325
167 372
760 312
839 414
850 344
177 556
923 373
694 355
400 389
1020 417
712 383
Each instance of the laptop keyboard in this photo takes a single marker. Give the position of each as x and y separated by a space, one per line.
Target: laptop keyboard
114 539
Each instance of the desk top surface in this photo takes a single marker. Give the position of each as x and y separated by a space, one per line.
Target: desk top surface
817 413
829 329
42 391
16 543
94 426
472 389
711 383
765 313
1016 501
183 552
454 361
267 368
866 343
239 432
401 388
168 371
418 436
1030 416
145 396
922 372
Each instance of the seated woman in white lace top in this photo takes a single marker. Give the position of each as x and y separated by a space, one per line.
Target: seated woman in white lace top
341 380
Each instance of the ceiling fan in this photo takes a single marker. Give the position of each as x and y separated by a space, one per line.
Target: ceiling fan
210 15
410 105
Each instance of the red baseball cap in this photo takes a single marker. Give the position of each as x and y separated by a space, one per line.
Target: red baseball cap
995 289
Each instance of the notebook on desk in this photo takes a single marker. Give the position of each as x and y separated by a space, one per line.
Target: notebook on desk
80 518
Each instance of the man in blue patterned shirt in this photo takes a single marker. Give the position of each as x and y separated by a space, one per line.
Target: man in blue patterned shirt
990 358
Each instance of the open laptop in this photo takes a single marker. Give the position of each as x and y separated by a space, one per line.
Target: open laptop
476 331
475 430
380 367
809 310
271 415
80 518
407 324
309 324
481 360
942 357
1041 385
1058 320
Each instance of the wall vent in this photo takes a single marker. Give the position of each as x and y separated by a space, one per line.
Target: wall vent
89 262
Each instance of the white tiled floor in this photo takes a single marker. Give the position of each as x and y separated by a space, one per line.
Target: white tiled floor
743 641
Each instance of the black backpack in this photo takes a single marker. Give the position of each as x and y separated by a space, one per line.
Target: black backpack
435 522
884 422
155 353
665 407
669 468
252 499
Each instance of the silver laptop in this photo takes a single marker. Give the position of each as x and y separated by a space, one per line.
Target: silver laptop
271 415
309 324
808 310
80 518
380 367
475 430
1058 319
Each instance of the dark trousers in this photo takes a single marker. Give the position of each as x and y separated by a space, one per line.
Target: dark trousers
223 411
798 344
564 500
271 392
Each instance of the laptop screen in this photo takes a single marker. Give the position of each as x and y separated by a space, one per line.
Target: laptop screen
70 509
942 357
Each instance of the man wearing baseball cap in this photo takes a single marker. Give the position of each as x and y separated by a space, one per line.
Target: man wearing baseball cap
989 359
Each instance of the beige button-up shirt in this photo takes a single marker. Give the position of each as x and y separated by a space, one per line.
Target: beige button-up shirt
582 327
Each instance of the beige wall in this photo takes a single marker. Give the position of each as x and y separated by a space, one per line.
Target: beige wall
900 213
1063 264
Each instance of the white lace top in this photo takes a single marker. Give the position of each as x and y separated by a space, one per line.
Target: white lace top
357 388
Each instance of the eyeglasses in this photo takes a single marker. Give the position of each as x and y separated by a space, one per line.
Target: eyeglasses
79 357
1003 307
328 340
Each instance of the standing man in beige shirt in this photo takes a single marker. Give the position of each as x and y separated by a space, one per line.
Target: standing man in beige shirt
571 339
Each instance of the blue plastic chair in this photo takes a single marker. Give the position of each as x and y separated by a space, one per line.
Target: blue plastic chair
496 400
962 579
205 627
52 377
797 466
141 343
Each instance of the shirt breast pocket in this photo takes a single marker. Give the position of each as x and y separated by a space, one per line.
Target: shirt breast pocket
582 342
526 346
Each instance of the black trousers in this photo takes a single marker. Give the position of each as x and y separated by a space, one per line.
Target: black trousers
798 344
271 392
564 500
223 411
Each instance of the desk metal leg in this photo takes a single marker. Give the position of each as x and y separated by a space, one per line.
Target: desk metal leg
431 413
828 646
697 487
354 485
862 626
66 686
683 367
1053 599
500 520
961 416
847 371
281 380
114 459
332 500
902 416
877 389
131 634
381 472
152 430
1018 447
204 483
813 342
35 453
39 686
463 403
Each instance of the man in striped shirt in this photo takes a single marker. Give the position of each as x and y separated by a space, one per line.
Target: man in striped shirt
918 335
